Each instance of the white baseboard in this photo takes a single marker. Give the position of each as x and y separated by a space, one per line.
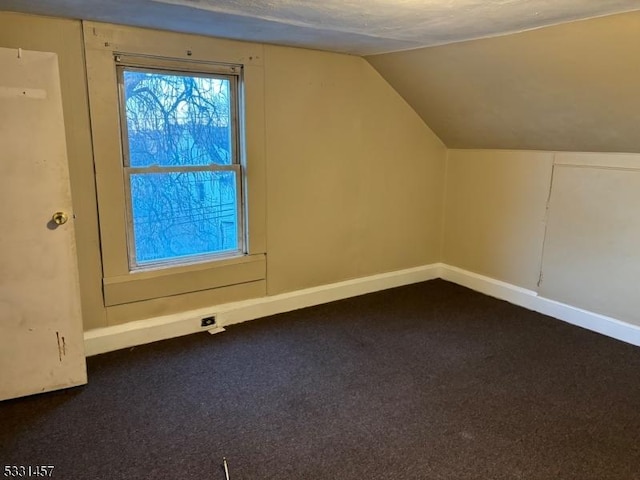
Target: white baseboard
530 300
489 286
107 339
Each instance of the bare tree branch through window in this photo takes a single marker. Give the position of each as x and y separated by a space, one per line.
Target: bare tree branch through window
181 163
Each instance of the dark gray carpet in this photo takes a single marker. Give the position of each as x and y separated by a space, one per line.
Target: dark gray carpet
429 381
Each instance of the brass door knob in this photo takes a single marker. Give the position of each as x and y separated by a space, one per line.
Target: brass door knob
60 218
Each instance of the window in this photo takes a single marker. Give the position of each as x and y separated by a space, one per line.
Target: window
178 132
181 162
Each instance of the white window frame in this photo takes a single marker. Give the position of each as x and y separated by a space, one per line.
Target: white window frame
232 73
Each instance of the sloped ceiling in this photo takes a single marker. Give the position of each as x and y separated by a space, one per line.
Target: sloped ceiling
569 87
350 26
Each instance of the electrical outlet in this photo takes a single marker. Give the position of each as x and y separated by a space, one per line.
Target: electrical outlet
208 322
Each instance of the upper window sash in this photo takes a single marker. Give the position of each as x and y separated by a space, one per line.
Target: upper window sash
175 112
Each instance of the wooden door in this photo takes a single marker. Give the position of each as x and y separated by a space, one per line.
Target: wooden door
41 338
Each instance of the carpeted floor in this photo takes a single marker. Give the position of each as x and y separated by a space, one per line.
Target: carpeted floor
429 381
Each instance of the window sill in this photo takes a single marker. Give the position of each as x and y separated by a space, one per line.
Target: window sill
163 282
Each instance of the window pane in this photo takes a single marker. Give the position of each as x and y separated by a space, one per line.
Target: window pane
177 215
175 120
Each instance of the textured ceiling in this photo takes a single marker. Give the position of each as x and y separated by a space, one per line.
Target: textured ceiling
351 26
572 87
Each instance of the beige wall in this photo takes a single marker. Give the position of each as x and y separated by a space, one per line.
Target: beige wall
585 246
356 185
570 87
495 213
353 174
592 254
